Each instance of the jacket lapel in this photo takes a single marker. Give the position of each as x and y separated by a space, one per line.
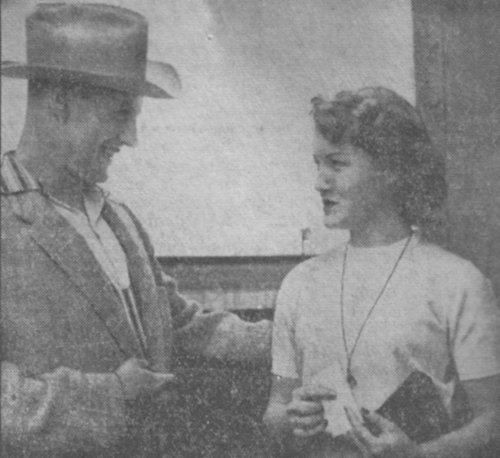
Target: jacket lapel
152 311
69 251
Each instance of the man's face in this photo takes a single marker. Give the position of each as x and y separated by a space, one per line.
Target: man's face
96 127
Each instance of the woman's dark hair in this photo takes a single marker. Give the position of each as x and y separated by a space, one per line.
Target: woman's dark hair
392 133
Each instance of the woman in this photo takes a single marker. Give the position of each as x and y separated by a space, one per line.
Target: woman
354 325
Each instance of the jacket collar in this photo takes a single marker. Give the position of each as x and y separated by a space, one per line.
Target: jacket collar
14 178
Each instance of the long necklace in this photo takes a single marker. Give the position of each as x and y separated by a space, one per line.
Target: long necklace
351 380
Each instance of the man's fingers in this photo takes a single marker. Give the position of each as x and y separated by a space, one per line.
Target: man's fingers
162 380
315 393
142 363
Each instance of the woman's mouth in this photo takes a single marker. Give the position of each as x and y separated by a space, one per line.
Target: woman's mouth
329 205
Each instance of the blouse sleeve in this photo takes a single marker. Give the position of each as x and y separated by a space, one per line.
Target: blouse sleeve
284 351
475 329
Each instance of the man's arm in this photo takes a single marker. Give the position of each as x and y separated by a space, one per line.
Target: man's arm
67 411
60 411
220 335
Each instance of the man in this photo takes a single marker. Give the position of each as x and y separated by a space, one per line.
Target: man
89 321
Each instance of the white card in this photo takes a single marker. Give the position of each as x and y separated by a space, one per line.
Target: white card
333 377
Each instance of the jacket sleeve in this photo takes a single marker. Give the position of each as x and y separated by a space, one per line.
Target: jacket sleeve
220 335
60 413
225 336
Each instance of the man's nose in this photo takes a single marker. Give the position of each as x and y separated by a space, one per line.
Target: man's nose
129 134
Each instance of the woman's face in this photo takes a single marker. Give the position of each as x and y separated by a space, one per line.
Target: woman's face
354 192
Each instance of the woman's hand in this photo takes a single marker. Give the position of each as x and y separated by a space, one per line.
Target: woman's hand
305 412
387 439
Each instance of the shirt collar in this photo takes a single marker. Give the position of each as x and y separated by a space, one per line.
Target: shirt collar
93 201
15 179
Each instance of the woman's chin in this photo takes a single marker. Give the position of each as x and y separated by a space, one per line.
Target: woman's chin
333 222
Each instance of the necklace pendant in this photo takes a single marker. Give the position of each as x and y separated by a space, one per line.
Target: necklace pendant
351 380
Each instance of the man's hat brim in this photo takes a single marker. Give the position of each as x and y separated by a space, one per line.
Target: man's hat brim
162 80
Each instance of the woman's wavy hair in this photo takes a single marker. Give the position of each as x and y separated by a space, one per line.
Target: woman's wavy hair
392 133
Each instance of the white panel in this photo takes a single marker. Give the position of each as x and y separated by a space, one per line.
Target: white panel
227 169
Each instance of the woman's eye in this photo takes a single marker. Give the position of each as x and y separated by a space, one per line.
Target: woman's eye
333 163
337 164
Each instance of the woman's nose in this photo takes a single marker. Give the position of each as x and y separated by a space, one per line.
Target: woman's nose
324 181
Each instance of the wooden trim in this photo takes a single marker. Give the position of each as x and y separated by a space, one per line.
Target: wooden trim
228 273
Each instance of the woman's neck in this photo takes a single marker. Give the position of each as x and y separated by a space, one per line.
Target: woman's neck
387 229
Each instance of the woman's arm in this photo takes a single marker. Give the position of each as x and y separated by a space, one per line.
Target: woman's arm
483 432
295 413
276 418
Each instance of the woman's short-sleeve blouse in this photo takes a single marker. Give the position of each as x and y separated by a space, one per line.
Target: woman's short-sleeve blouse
437 315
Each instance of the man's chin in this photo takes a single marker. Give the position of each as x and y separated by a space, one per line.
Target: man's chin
92 182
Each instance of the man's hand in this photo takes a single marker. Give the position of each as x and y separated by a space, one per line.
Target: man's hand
137 380
305 411
380 437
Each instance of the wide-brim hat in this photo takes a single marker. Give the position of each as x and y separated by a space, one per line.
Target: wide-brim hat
93 44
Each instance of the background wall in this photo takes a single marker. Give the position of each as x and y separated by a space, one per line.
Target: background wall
227 169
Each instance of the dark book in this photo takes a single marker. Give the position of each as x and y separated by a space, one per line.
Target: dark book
417 409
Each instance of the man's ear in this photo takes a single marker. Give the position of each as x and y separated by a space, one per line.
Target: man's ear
58 104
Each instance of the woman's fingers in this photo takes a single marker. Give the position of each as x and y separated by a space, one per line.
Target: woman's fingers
306 418
312 431
304 408
309 422
379 421
305 412
314 393
358 429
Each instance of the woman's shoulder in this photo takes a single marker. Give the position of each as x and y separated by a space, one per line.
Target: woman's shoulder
306 278
446 265
313 272
317 263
